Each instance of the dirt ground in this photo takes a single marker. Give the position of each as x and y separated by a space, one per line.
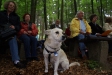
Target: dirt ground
37 68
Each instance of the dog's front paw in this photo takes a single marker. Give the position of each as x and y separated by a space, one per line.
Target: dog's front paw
55 73
46 71
61 71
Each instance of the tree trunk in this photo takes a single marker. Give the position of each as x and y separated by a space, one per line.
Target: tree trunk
45 14
66 12
62 14
92 6
0 4
101 11
33 10
26 6
75 6
58 9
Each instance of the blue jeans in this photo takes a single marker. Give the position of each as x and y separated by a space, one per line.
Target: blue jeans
30 45
14 49
81 44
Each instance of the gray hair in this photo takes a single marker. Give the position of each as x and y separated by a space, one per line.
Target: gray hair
78 13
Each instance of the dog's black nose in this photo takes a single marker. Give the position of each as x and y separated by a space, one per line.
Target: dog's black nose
63 37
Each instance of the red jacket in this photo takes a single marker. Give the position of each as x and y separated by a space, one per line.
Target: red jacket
24 27
67 31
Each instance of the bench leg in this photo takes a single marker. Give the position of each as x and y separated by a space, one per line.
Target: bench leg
99 51
73 48
22 52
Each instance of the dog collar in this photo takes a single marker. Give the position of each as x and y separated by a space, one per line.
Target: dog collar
52 48
51 52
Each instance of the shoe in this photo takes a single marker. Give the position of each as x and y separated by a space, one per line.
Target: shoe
28 59
84 58
35 58
19 65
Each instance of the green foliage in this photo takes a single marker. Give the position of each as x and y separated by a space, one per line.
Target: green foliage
54 9
52 6
93 64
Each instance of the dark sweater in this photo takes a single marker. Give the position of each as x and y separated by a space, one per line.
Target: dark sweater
12 19
95 28
54 26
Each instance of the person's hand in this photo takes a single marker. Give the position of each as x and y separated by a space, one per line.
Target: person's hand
87 33
68 36
12 26
98 34
25 32
29 32
81 32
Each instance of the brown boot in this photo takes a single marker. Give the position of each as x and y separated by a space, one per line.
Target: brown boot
84 58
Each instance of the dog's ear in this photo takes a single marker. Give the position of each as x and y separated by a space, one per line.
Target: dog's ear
47 32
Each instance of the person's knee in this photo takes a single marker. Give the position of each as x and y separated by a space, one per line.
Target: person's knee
25 38
34 39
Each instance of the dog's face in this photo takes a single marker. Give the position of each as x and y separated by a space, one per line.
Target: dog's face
55 34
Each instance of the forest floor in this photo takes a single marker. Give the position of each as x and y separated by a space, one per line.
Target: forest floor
37 68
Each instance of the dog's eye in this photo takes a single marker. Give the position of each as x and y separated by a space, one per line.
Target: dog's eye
57 32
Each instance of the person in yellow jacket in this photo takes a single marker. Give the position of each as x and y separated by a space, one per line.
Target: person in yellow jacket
79 27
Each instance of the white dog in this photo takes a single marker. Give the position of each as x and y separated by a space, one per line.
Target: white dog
53 53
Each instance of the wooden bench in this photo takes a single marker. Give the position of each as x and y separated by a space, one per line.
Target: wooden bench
21 50
4 48
97 46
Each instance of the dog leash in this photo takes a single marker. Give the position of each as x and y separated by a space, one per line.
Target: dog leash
50 53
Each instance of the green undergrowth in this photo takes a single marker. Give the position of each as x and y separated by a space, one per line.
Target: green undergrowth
91 64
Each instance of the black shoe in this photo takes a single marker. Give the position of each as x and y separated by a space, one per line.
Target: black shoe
35 58
28 59
19 65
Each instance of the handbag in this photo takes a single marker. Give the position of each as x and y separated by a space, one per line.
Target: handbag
6 32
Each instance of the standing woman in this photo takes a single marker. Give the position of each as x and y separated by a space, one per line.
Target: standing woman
27 35
9 16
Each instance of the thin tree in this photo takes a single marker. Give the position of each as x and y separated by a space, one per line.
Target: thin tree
58 10
33 10
75 6
101 12
62 14
99 8
45 14
92 6
26 6
0 4
66 12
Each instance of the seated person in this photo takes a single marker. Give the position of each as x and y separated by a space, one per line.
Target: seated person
9 16
96 29
40 44
56 25
27 35
67 33
108 26
79 27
